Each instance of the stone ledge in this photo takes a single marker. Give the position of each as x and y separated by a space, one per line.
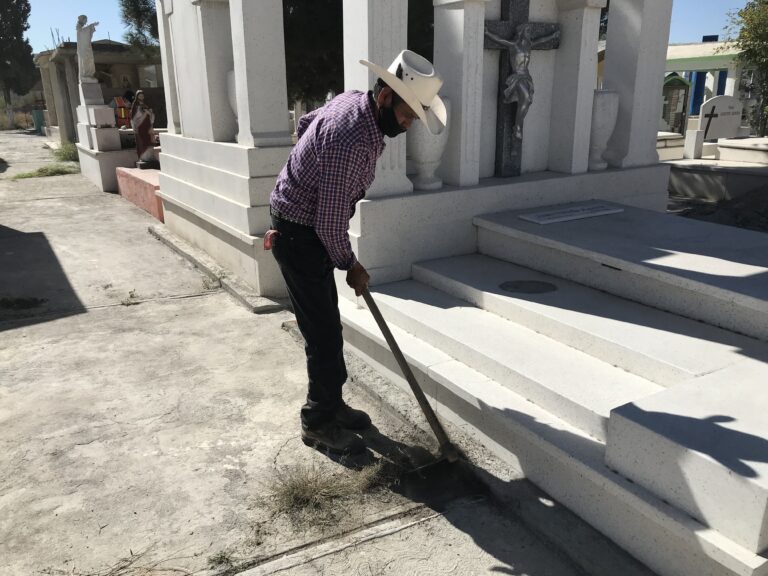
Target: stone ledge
236 287
228 156
235 187
140 187
252 220
245 238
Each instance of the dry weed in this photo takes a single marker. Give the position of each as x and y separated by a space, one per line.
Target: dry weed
308 493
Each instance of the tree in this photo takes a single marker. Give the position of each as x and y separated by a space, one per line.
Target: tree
751 22
17 68
140 16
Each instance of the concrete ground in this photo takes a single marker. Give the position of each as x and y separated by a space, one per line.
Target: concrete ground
145 418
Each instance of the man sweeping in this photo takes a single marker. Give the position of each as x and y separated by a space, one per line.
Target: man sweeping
327 173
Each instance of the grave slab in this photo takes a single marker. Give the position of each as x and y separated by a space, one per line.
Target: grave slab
703 447
705 271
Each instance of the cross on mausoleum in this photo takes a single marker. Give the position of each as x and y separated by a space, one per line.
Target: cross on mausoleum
515 36
711 116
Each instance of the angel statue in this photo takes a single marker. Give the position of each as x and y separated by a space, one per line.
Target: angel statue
84 50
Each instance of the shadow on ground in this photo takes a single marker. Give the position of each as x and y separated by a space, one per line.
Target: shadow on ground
33 286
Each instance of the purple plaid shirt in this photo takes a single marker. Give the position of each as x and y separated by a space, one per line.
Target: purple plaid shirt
329 170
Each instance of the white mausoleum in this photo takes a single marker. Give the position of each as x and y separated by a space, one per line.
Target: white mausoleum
568 389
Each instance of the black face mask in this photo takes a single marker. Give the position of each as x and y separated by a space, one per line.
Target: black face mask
388 122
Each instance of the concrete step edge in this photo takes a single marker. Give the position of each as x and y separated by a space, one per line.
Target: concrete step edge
559 393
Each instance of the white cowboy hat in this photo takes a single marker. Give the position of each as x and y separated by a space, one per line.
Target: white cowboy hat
414 79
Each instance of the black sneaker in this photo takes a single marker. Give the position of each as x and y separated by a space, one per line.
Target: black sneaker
351 419
333 438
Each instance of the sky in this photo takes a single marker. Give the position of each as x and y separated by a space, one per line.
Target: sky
691 19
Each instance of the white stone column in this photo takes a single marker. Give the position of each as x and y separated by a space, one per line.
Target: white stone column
258 44
73 83
214 34
61 102
459 40
50 103
638 35
164 11
733 80
575 80
377 31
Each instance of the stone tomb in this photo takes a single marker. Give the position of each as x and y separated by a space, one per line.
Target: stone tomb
229 137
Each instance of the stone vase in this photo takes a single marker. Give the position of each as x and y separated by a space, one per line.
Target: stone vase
424 151
605 110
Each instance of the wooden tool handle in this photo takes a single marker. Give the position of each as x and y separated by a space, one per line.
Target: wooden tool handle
445 444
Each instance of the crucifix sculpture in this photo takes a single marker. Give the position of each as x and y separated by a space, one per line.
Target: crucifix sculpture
515 36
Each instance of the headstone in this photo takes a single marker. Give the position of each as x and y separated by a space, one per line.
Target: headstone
720 117
515 36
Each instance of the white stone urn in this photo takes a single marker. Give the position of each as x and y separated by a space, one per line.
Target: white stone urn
424 151
605 110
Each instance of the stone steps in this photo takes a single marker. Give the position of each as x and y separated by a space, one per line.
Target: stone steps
561 458
656 345
647 423
715 274
566 382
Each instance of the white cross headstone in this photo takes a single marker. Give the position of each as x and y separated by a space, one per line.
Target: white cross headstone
720 117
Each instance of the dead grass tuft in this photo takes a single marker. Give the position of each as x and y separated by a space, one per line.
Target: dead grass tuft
50 170
223 559
134 565
308 493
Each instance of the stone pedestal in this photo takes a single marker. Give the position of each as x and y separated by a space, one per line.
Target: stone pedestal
90 93
694 144
459 40
634 64
99 147
376 30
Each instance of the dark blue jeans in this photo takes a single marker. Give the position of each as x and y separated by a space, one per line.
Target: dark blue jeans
308 273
